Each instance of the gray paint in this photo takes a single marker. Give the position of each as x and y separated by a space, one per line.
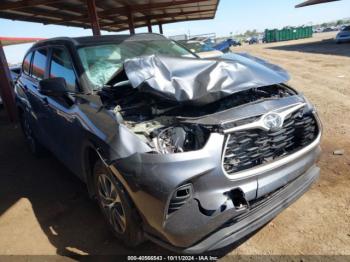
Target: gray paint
201 81
151 179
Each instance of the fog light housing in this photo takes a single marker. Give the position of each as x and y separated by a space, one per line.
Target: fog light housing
181 195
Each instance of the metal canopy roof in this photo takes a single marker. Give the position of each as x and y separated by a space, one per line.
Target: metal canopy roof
314 2
114 15
5 41
109 15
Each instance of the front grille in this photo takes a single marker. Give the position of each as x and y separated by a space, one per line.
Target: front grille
250 148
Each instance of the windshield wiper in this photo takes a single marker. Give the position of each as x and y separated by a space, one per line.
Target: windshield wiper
122 83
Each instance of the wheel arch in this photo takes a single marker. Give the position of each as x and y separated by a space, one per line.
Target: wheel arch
91 153
90 156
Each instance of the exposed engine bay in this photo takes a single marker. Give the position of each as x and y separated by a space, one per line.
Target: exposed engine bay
156 96
160 122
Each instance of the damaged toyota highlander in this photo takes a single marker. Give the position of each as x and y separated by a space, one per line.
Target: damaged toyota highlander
193 154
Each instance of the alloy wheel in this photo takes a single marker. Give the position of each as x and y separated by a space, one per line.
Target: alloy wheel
111 203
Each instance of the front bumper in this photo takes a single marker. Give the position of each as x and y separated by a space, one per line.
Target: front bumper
252 220
151 180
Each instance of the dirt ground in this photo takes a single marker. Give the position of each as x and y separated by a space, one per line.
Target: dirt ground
45 210
319 222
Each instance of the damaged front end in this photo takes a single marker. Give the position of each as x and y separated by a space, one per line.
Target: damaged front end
206 140
161 99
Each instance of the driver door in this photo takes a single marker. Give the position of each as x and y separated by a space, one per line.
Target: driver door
62 126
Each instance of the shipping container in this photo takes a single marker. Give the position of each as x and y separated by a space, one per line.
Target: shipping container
287 34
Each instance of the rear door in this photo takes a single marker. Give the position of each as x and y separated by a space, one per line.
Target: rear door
34 70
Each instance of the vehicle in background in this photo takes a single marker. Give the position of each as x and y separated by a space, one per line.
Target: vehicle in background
317 30
204 39
202 49
182 37
225 45
343 35
328 29
196 46
252 40
261 38
234 42
15 71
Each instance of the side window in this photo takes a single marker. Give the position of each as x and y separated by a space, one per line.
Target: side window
26 63
62 66
39 64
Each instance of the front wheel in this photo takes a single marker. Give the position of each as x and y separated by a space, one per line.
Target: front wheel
116 207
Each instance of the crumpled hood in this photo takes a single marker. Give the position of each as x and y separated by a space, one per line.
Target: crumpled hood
201 81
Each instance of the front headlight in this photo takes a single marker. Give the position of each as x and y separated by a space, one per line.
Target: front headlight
178 139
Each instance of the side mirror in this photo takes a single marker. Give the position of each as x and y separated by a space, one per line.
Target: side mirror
53 87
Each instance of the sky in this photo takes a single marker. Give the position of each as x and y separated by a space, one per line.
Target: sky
233 16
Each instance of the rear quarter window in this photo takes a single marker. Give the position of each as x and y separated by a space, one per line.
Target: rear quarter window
26 63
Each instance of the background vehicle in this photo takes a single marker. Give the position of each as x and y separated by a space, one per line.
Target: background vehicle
343 35
134 119
15 71
208 40
328 29
202 49
253 40
225 45
318 30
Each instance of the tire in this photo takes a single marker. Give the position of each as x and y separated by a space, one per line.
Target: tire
35 147
117 208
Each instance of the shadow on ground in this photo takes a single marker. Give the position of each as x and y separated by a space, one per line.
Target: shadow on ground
70 219
326 47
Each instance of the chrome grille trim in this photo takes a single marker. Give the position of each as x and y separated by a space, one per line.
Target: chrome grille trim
257 170
259 123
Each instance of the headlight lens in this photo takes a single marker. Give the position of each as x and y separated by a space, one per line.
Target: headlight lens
179 139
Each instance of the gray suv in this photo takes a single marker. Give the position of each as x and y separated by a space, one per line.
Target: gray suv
190 153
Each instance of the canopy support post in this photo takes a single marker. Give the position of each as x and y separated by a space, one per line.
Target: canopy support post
6 88
131 22
161 29
95 25
149 25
